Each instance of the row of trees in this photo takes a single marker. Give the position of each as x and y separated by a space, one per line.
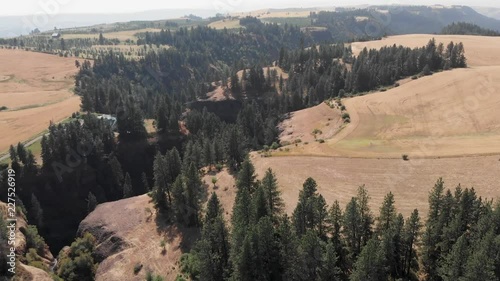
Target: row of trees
465 28
320 73
460 240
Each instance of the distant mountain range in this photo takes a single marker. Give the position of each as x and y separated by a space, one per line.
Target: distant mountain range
404 19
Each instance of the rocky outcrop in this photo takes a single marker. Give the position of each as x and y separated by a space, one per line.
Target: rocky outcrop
127 235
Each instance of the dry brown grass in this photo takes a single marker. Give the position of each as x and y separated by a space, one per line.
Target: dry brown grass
447 123
37 92
479 50
226 23
120 35
409 181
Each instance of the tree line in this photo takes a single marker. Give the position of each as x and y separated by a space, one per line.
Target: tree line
465 28
459 239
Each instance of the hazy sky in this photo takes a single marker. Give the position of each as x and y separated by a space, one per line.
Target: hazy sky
24 7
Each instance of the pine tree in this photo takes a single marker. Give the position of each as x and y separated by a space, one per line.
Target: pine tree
192 194
275 203
312 255
291 264
91 202
162 180
267 251
179 201
453 265
336 221
411 234
128 190
352 229
36 211
131 123
305 214
174 163
481 261
329 271
259 205
246 176
387 213
433 230
240 227
212 249
366 215
370 264
321 217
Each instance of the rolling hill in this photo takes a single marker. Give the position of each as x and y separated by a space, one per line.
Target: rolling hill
447 123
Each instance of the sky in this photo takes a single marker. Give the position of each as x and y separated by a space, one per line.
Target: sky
29 7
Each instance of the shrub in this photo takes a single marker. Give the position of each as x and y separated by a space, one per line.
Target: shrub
275 146
345 115
347 120
137 268
33 239
219 167
190 265
414 77
297 141
2 108
321 141
405 157
317 132
342 107
383 90
396 84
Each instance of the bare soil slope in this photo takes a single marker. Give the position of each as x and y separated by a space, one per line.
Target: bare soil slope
128 235
36 89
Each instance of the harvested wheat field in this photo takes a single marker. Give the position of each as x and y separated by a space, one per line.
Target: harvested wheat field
36 89
479 50
410 181
446 123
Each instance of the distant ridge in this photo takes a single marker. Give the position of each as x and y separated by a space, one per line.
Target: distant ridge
11 26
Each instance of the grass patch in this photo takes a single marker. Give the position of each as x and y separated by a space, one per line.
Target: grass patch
299 21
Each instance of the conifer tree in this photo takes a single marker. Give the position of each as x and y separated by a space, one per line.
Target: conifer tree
329 271
453 265
36 211
387 213
128 190
275 203
192 194
91 202
212 250
246 176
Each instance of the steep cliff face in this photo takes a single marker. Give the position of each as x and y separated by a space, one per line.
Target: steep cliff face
24 271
